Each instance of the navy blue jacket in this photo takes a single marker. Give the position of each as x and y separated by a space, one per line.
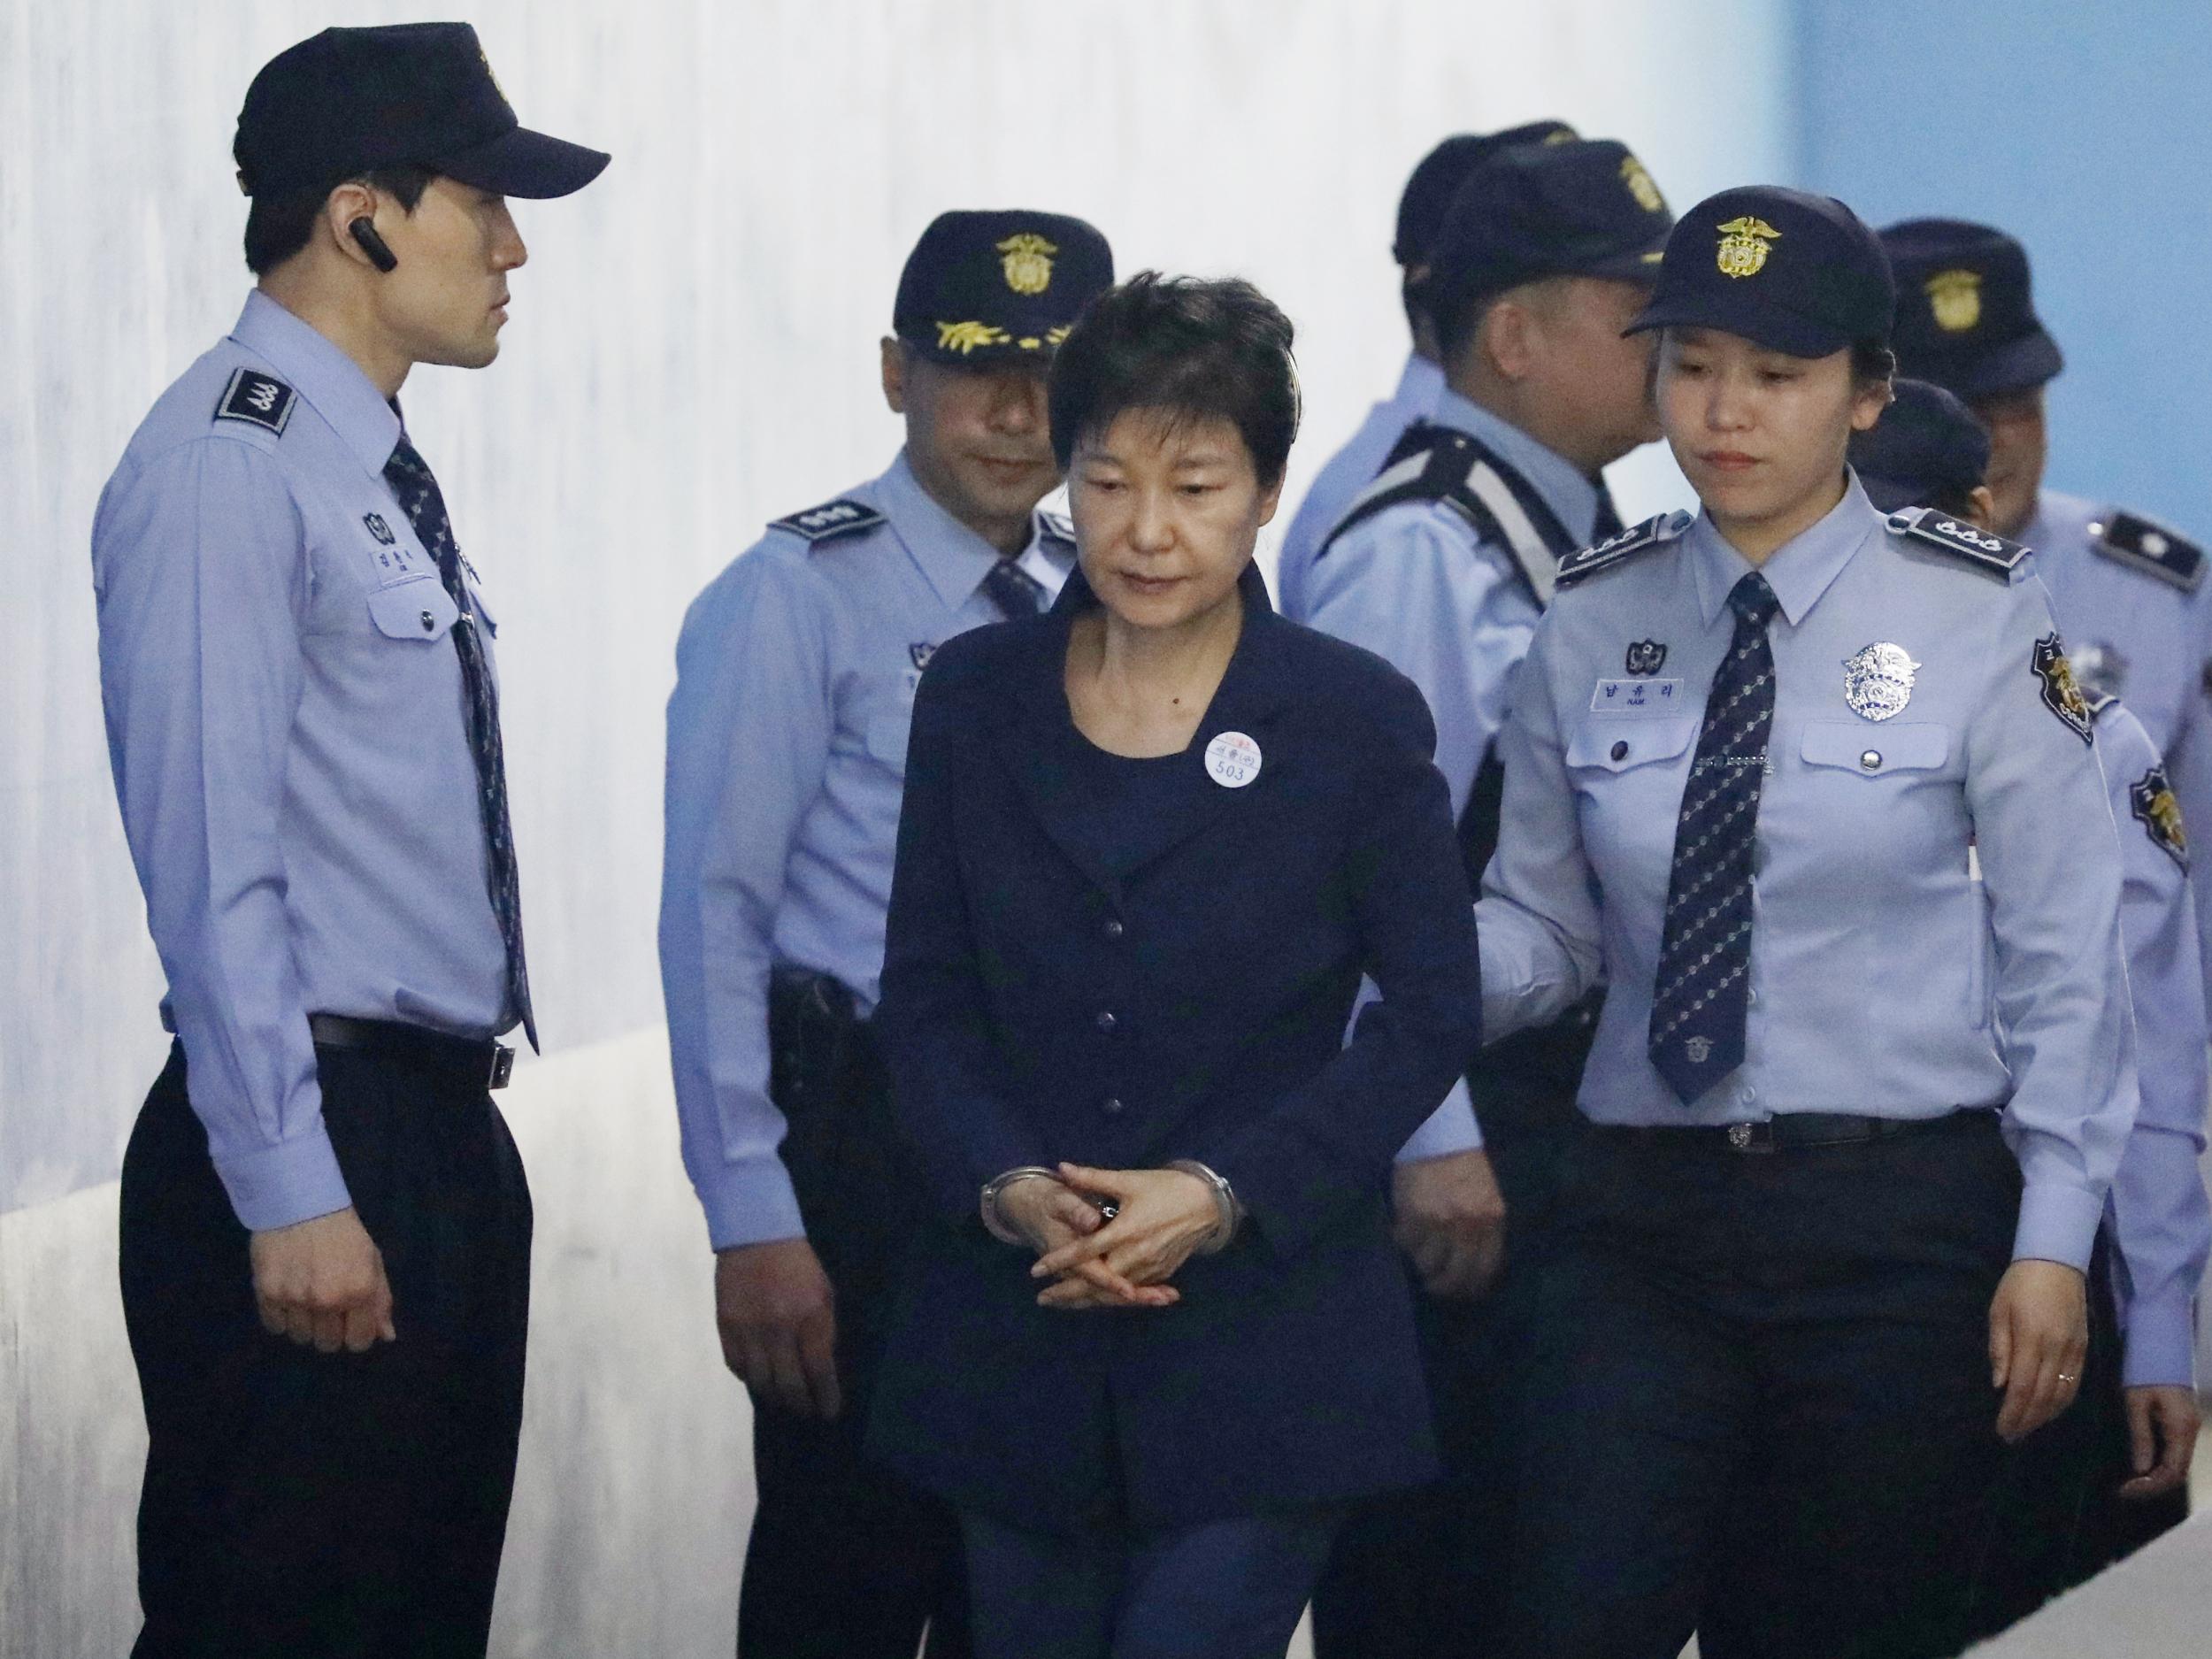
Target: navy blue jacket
1228 961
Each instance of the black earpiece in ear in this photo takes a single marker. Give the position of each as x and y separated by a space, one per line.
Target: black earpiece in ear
382 257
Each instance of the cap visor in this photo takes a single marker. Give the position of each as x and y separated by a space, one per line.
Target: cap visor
1768 325
1641 264
990 358
2019 365
532 165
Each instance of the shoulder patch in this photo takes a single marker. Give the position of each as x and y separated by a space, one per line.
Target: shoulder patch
258 399
1941 530
2129 538
2151 799
1054 526
1637 538
830 520
2060 696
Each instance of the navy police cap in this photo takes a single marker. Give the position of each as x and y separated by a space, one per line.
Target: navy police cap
1582 208
1436 180
1792 273
988 289
1926 446
1965 315
414 95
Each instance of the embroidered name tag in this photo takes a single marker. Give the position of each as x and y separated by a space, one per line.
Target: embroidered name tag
1637 696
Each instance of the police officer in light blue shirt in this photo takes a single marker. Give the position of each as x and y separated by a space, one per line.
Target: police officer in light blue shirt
1421 209
1443 565
302 712
786 749
1853 1110
2121 1476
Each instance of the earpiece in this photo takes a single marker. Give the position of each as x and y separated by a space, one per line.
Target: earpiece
382 257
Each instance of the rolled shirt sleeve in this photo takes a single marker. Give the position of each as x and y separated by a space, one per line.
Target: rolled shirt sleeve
203 582
749 728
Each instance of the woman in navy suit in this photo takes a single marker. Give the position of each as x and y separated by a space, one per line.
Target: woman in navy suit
1158 1337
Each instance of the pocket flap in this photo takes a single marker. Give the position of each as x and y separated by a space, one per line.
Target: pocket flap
1870 749
416 609
1617 744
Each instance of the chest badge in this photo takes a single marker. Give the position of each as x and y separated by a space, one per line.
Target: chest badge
1645 656
1878 682
1233 760
2060 696
377 528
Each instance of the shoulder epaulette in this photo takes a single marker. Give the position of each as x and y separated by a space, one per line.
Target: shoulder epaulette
2150 547
258 399
1055 526
831 519
1442 463
1637 538
1959 538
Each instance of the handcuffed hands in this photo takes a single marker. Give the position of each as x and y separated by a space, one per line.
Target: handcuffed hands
1161 1216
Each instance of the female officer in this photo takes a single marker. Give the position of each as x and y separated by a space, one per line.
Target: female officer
1150 844
1817 797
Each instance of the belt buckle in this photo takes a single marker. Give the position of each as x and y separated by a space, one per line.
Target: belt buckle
1751 1138
503 1066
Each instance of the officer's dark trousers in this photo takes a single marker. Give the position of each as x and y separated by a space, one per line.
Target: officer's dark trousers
1799 1336
305 1504
845 1561
1422 1574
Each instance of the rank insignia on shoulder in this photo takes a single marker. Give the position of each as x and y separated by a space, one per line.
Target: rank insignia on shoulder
1055 526
258 399
2130 538
1953 535
830 520
2151 798
2060 696
1641 538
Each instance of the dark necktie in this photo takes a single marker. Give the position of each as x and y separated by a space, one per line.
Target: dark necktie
1014 590
408 475
1698 1005
1609 520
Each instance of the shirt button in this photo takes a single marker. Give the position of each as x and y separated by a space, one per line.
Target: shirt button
1748 1095
1751 999
1111 1107
1872 761
1114 929
1620 751
1106 1021
429 623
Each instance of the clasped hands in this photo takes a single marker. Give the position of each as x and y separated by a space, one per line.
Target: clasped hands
1161 1217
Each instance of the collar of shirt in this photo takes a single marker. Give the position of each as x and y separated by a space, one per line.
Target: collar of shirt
329 380
1573 497
1799 572
1419 384
954 557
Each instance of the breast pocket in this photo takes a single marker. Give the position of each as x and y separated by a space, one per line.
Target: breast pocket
1626 772
1872 751
418 609
1623 743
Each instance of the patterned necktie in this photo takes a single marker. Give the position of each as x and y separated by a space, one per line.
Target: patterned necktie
408 475
1014 590
1699 1003
1609 520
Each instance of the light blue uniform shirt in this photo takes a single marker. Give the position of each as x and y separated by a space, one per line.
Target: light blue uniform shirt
2158 1214
285 720
2141 637
1349 472
1881 963
786 757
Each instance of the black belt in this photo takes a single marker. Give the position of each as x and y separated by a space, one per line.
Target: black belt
1797 1131
477 1059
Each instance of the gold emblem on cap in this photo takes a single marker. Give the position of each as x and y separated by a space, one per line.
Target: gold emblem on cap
1956 297
1744 245
1640 185
1028 262
965 337
484 57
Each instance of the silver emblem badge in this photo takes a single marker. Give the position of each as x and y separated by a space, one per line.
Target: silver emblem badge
1698 1048
1877 682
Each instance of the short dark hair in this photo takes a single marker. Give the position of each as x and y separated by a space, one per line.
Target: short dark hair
1193 348
278 225
1872 364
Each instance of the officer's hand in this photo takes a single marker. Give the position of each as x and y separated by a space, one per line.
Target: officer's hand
2162 1424
2039 1337
1163 1216
778 1317
322 1281
1049 1215
1450 1219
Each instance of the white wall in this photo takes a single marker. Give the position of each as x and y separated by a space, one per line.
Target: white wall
692 353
